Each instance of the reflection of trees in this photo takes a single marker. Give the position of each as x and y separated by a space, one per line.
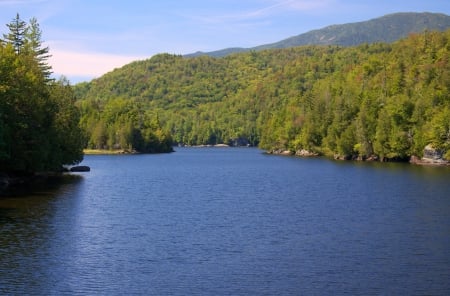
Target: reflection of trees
29 233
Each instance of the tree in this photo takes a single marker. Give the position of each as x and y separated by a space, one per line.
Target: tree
27 38
27 111
33 43
39 123
68 139
17 34
439 129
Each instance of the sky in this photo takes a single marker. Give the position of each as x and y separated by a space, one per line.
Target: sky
90 38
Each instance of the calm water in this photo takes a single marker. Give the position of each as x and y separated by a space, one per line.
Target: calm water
231 222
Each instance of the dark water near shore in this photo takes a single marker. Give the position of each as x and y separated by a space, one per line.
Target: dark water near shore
218 221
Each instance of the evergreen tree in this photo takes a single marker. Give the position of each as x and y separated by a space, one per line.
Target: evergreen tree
17 33
33 43
39 123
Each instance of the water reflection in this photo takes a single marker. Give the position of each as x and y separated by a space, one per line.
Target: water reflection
28 232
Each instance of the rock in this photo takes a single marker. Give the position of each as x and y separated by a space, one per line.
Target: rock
286 152
239 142
305 153
415 160
372 158
431 156
280 152
80 168
342 157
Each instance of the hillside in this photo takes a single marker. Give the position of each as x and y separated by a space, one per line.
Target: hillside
386 101
388 29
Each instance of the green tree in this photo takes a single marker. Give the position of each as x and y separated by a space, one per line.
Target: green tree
33 43
439 129
39 124
17 34
68 139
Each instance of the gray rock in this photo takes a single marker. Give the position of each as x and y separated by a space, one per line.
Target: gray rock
432 154
80 168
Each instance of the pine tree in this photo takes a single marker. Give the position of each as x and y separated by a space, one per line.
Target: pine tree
16 35
27 39
33 43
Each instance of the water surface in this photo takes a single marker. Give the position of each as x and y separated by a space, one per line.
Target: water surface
218 221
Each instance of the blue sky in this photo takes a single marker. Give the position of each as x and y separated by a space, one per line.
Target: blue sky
90 38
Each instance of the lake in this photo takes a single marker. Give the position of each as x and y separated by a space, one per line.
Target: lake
230 221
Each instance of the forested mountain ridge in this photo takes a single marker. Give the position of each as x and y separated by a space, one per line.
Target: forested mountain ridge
388 28
382 100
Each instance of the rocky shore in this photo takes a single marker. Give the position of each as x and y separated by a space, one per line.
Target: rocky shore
302 153
431 156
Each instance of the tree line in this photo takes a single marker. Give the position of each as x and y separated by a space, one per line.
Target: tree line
39 122
123 124
386 101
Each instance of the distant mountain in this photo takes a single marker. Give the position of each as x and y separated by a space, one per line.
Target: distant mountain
388 29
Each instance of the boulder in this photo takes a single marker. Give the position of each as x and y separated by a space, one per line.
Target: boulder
80 168
305 153
280 152
432 154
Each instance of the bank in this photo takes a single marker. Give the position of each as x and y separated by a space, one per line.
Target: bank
431 156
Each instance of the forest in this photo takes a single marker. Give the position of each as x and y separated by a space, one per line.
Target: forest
379 101
382 101
39 122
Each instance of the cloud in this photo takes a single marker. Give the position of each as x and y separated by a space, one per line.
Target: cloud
19 2
86 64
305 5
271 8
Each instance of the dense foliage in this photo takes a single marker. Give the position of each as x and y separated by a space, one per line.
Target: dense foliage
385 100
38 119
123 124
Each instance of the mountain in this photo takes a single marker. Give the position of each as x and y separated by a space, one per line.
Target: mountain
388 28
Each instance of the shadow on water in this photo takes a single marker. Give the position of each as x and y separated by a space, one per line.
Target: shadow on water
22 198
40 186
27 230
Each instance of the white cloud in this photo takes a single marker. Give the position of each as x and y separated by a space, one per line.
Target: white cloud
272 7
86 64
18 2
305 5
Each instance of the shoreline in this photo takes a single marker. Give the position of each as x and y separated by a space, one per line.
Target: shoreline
413 160
108 152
